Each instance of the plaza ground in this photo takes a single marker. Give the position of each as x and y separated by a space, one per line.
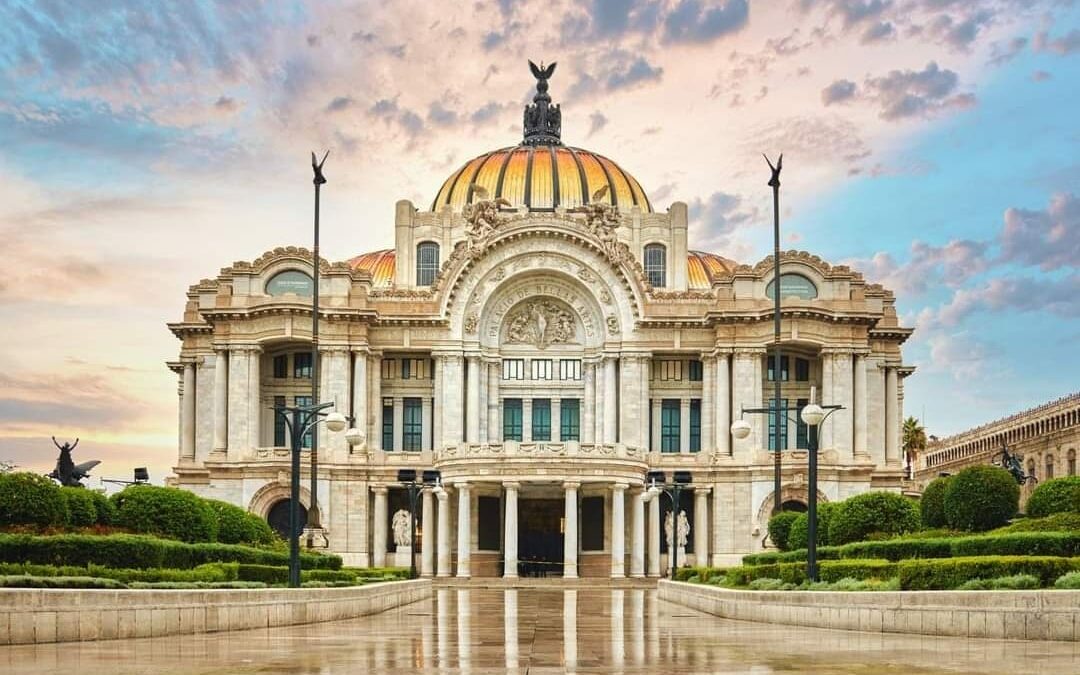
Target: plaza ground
543 629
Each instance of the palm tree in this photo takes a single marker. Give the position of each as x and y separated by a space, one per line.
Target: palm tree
914 441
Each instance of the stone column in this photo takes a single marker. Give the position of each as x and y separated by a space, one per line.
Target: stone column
643 402
570 535
588 407
510 534
378 548
255 399
482 406
427 421
187 416
892 416
399 424
825 441
723 404
451 401
438 388
654 536
843 386
221 401
427 541
360 394
610 401
637 535
684 425
375 407
654 411
526 420
443 569
618 530
472 404
760 422
494 424
464 531
745 388
860 401
707 407
701 526
237 402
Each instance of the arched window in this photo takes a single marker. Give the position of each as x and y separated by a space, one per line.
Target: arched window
793 285
1072 462
1049 467
656 265
427 263
290 281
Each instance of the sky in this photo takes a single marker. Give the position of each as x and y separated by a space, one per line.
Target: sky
933 145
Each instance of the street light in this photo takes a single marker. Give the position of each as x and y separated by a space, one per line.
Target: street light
299 420
657 485
429 478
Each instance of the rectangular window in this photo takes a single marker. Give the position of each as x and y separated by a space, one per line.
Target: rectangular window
669 425
801 438
667 369
412 425
302 364
695 425
415 369
541 369
770 361
300 401
656 265
388 424
513 369
772 424
541 419
512 419
281 366
592 523
570 419
802 370
389 369
280 430
695 370
570 369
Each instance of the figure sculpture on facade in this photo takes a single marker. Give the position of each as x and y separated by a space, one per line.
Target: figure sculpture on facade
67 472
540 323
683 533
482 217
1011 463
402 525
602 220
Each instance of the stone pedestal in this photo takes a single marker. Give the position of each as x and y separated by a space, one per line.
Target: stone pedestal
402 556
315 537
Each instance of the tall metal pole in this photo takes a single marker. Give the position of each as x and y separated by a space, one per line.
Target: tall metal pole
313 519
296 438
811 505
774 182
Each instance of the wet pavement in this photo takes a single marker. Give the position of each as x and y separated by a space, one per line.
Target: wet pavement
539 631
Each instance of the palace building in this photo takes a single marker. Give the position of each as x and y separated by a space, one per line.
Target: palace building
543 336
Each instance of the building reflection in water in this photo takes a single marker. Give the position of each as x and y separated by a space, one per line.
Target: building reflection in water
618 643
510 628
637 625
570 629
464 632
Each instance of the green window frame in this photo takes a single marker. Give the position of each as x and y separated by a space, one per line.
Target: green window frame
570 419
770 359
695 425
302 365
280 430
388 424
412 425
670 424
802 438
512 419
299 402
783 424
541 419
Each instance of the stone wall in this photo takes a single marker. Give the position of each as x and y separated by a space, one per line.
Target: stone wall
1012 615
46 615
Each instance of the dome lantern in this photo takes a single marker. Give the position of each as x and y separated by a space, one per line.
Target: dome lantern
543 121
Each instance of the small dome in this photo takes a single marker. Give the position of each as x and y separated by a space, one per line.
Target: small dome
379 264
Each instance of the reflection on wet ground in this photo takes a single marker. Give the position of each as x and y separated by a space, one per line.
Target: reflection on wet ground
539 631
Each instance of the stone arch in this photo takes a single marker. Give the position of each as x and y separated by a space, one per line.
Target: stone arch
790 492
551 288
272 493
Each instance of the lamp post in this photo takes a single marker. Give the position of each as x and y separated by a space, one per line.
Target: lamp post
812 415
299 420
313 512
657 485
431 479
774 183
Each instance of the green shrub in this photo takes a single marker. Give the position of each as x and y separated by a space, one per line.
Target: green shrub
1016 582
237 526
1057 495
30 499
779 526
174 585
212 573
980 498
872 512
23 581
1063 544
932 503
851 585
898 549
273 575
771 585
141 552
1069 581
974 585
1059 522
166 512
799 532
950 573
80 504
828 570
103 508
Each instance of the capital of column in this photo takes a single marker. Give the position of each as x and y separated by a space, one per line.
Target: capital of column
241 348
360 349
749 351
571 485
511 485
702 491
441 495
334 349
379 489
620 487
462 485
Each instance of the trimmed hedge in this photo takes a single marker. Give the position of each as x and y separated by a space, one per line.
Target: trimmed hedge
23 581
858 517
105 510
704 574
166 512
1019 543
210 573
981 498
932 503
1059 522
950 573
82 512
828 570
1057 495
779 526
142 552
237 526
799 535
30 499
275 575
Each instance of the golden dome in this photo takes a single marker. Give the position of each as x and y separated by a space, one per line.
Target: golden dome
379 264
542 177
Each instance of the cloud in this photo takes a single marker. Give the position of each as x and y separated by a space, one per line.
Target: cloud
879 32
837 92
928 266
340 103
811 140
440 115
717 218
1040 76
1048 239
618 70
1062 46
226 104
487 112
389 111
851 12
693 21
959 33
916 93
597 121
1000 55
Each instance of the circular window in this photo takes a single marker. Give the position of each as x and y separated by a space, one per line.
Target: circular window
278 517
793 285
290 281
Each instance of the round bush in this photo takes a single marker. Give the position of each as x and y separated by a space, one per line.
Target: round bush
166 512
872 513
980 498
932 504
1057 495
779 526
80 503
103 508
237 526
30 499
799 534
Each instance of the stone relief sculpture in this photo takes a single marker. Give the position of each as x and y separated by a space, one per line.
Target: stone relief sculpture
684 529
482 217
541 323
602 219
401 524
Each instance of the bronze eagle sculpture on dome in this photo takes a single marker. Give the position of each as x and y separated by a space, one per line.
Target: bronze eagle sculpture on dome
541 73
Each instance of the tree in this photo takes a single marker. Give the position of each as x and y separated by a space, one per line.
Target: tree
914 441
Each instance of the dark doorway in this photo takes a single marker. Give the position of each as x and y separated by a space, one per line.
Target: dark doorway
278 517
792 505
540 537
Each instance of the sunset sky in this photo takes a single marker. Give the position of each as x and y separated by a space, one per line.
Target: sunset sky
934 145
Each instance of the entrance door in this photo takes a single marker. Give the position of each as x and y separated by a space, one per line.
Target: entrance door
540 537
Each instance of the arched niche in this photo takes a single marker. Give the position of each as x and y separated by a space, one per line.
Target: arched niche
541 311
